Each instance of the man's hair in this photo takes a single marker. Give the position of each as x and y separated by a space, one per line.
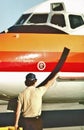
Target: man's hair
30 79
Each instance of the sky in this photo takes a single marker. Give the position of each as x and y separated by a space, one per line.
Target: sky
11 10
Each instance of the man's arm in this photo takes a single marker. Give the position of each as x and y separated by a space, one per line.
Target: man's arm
57 67
17 115
51 81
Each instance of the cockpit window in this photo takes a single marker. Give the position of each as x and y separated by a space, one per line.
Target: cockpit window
38 18
58 19
57 7
22 19
75 21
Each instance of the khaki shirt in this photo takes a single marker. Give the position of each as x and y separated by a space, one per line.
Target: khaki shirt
31 101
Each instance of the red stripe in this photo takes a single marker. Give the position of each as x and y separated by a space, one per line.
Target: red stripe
24 66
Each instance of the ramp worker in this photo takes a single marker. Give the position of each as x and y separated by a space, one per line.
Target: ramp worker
30 103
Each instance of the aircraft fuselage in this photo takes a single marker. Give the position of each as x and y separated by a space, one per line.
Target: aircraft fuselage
39 53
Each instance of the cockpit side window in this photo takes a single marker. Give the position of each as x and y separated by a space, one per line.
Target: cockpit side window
38 18
75 21
58 19
22 19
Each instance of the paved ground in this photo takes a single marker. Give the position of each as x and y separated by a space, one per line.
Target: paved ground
67 128
65 117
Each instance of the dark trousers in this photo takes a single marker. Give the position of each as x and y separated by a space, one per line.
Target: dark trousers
32 123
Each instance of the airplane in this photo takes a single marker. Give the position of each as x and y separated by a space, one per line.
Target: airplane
35 44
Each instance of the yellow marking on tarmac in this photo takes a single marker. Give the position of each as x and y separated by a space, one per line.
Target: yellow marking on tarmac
9 128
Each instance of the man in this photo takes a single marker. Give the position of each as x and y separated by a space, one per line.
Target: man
30 103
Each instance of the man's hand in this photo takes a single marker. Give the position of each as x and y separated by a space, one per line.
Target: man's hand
16 127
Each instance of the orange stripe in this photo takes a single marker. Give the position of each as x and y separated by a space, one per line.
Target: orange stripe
42 42
39 56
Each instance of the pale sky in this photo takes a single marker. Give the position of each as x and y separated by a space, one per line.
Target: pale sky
11 10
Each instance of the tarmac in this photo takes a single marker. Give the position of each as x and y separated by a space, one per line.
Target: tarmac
67 128
68 116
